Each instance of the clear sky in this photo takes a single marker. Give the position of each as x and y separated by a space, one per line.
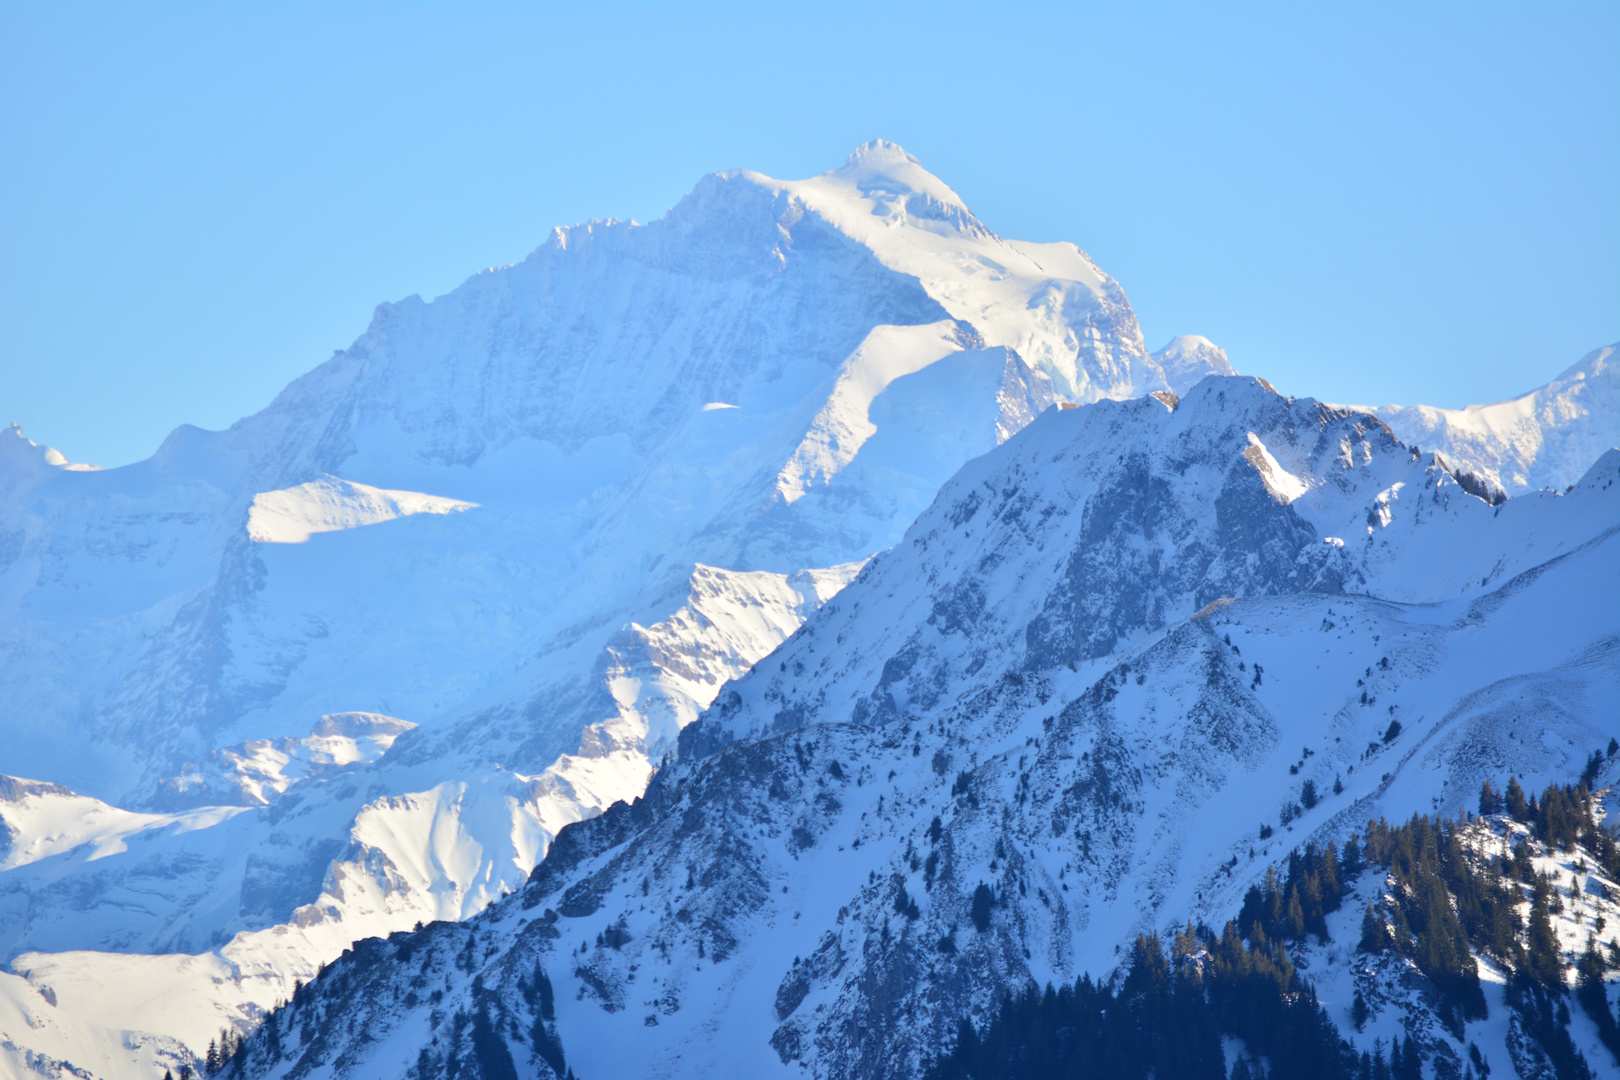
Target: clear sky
1371 203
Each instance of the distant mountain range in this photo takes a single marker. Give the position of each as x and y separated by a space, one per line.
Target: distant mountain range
1544 439
351 665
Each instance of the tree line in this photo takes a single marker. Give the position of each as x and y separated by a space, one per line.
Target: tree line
1444 903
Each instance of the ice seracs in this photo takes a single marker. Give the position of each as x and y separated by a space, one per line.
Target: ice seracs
20 457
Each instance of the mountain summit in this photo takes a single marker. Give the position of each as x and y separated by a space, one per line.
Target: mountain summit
532 526
1542 439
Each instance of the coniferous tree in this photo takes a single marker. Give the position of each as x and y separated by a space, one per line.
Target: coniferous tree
272 1039
1444 903
1546 1019
1380 1066
1541 945
489 1049
1514 801
1558 822
983 901
1405 1063
1350 865
1166 1020
905 905
1590 992
1298 903
1524 866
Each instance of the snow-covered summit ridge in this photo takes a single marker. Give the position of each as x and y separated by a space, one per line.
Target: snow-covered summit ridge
888 158
21 455
1048 302
1543 439
880 165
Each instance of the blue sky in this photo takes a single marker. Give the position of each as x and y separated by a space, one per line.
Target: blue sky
1368 203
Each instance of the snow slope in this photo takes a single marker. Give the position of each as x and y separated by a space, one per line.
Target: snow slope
1545 439
1110 652
293 515
41 820
543 518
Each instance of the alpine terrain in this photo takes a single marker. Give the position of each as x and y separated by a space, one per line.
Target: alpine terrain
756 643
1121 670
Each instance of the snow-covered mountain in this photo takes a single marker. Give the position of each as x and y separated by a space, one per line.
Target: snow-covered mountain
1545 439
1094 677
1188 358
353 663
350 664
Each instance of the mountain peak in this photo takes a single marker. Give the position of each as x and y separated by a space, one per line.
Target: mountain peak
19 448
881 165
1541 439
1188 358
878 152
1592 365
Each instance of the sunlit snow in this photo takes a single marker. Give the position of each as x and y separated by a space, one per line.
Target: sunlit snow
294 514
